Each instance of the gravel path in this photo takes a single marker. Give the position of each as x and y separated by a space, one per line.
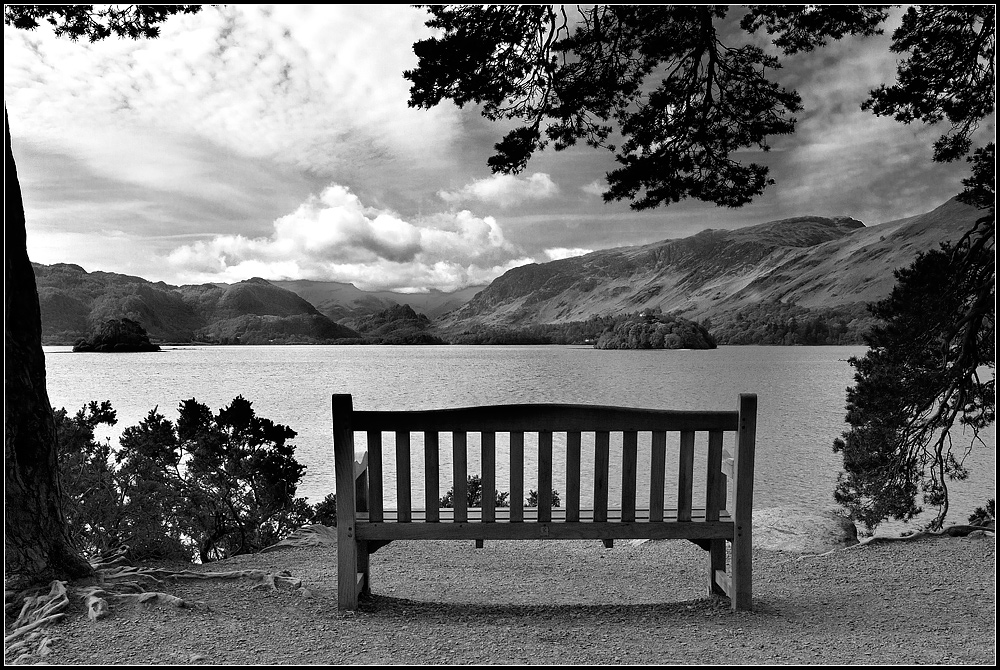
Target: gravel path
927 601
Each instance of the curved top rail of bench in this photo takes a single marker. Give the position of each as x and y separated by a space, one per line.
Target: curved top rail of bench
544 417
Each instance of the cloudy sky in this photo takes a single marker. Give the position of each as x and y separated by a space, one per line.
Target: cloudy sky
276 142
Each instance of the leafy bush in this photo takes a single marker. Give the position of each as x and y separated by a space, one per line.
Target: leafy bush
88 482
157 503
215 485
474 494
984 516
533 498
325 511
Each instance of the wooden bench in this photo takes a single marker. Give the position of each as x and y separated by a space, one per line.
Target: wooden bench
364 524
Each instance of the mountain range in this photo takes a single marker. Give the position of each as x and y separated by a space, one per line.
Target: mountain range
74 303
748 284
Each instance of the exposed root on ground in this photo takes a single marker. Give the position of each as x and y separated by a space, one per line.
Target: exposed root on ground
28 636
950 531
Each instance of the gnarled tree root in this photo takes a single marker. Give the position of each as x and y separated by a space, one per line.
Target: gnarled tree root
266 580
950 531
29 635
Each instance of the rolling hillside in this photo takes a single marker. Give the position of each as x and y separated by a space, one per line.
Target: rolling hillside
74 302
811 262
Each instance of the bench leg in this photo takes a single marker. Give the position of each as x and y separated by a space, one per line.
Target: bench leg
741 576
716 562
347 573
609 543
363 563
352 565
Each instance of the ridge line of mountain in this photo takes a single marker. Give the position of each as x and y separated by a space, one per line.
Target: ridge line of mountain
804 268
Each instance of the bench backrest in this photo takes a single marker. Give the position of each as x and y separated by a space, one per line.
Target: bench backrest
544 420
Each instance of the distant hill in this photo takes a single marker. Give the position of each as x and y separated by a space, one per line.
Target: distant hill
820 266
344 302
75 302
398 324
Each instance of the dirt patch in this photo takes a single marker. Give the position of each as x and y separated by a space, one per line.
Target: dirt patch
927 601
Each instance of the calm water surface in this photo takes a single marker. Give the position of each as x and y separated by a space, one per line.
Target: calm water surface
801 396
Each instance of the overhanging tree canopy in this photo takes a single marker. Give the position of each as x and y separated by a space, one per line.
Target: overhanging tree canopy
659 77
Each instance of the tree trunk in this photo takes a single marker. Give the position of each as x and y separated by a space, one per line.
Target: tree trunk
36 540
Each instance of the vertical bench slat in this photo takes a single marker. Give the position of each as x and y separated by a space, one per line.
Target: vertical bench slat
685 476
403 476
460 458
742 575
489 441
545 476
602 442
432 464
573 442
715 500
657 477
516 477
629 457
715 480
375 475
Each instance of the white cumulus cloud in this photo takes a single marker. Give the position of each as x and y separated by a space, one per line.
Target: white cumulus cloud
595 187
504 190
334 236
558 253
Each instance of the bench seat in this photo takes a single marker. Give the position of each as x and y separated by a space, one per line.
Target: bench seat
418 528
447 515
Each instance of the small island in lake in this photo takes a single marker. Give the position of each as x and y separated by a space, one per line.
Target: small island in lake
654 330
117 335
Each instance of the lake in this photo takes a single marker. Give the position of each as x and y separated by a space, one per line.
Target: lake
801 397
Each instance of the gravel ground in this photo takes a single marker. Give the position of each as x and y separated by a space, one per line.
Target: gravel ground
926 601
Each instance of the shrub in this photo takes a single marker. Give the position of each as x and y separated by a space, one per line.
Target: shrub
474 494
216 485
984 516
325 511
533 498
87 480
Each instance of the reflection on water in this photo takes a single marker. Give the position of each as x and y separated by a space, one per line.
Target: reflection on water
800 399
